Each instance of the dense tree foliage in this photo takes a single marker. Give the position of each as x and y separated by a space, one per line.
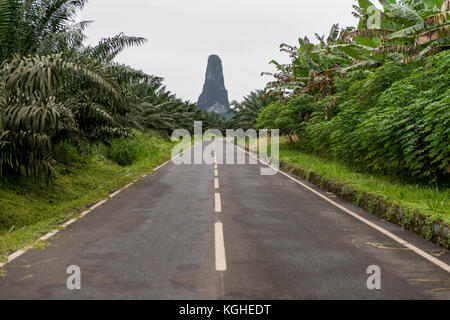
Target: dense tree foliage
246 111
394 119
403 31
54 88
375 97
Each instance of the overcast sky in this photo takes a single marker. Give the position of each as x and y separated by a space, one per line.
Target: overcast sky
246 34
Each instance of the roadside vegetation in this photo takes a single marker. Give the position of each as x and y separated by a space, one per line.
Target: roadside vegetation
368 106
29 210
55 89
74 124
429 200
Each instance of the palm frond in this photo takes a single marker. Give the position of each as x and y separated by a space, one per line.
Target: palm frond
109 48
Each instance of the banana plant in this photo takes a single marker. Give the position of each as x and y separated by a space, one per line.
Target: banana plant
313 66
408 29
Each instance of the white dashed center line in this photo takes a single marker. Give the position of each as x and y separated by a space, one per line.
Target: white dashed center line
216 183
221 261
218 203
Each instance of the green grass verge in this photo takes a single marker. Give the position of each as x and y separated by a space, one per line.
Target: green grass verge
28 209
432 202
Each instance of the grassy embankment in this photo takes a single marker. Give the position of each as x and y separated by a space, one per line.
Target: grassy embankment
29 209
432 202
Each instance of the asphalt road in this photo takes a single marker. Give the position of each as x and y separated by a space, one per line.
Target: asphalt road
181 234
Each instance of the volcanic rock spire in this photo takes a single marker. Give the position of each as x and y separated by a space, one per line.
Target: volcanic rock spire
214 97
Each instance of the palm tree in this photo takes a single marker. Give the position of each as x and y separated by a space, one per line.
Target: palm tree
53 88
246 112
39 26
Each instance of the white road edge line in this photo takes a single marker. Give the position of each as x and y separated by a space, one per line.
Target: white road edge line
221 260
218 203
216 183
159 167
387 233
120 190
177 156
18 253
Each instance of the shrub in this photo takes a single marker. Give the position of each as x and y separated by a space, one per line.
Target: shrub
394 120
124 151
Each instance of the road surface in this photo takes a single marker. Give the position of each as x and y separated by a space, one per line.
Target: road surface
196 232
